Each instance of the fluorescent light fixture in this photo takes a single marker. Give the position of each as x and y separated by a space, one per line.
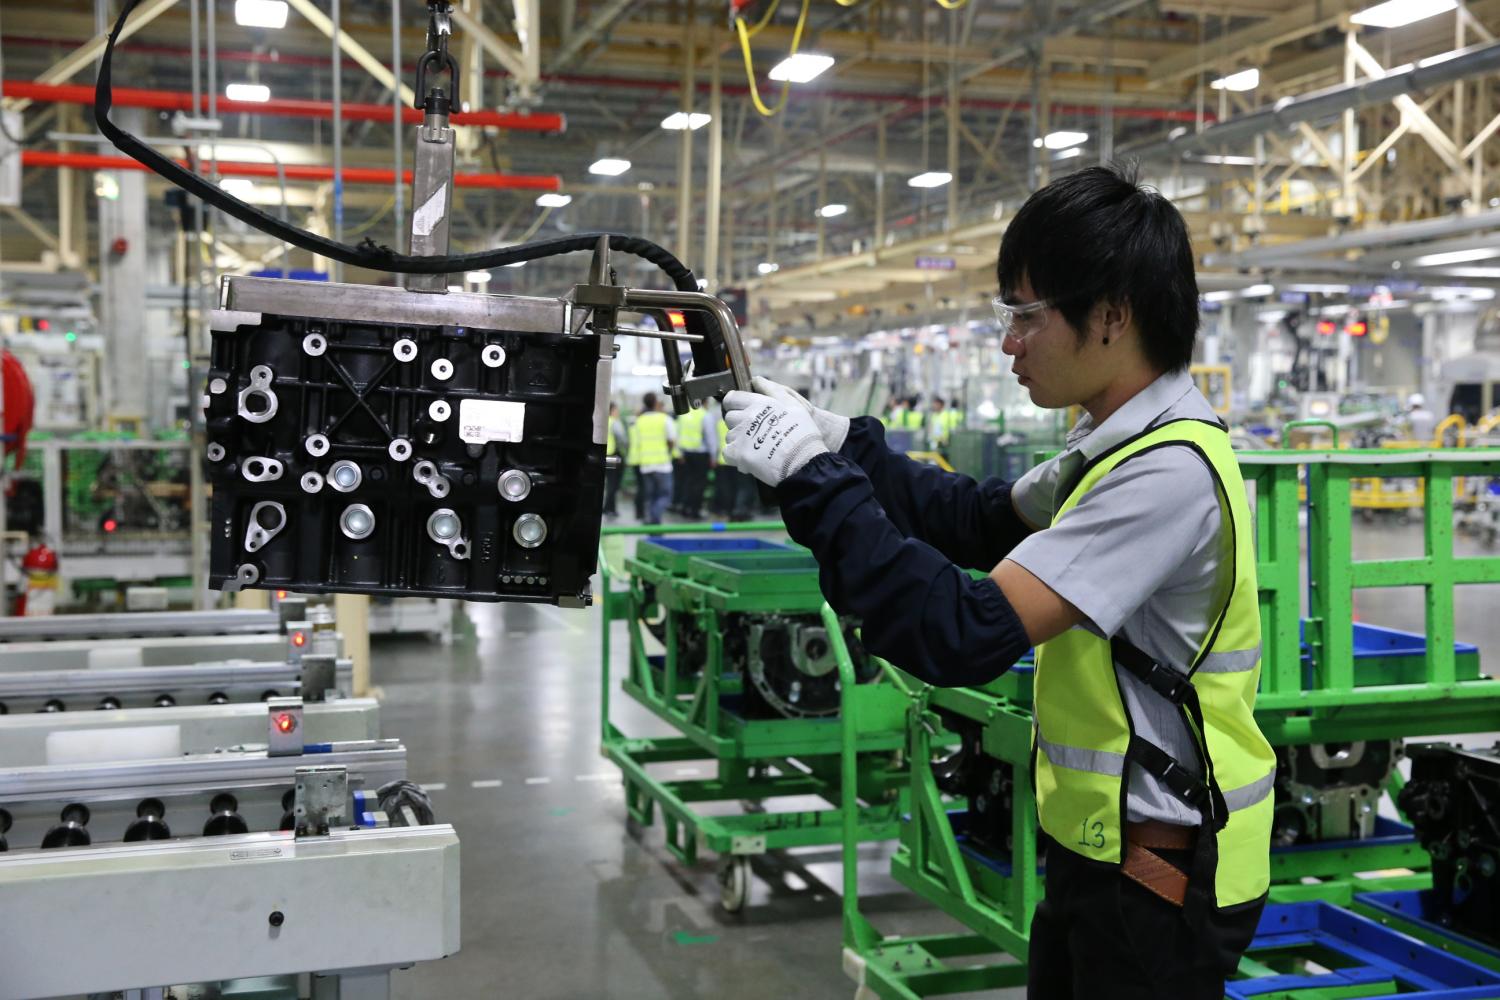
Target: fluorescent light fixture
1245 79
1064 140
609 166
931 179
801 68
1225 161
679 120
1256 291
240 187
1447 293
767 267
1220 296
833 210
1475 272
255 93
1399 13
1456 257
1068 154
260 13
478 277
554 200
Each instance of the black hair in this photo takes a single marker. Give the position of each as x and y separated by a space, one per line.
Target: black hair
1098 235
649 401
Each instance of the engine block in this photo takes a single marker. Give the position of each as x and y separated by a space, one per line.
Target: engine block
367 439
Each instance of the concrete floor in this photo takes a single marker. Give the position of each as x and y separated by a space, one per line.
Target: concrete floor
561 900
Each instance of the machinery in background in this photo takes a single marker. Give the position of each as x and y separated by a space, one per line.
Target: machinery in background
747 677
1453 801
1329 792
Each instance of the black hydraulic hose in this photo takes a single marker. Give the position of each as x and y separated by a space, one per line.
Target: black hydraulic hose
368 254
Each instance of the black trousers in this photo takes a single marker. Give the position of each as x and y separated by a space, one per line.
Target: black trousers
1097 934
612 479
695 481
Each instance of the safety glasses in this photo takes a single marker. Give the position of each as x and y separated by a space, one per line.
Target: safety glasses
1020 323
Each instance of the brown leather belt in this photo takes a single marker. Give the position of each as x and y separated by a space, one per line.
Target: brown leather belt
1148 869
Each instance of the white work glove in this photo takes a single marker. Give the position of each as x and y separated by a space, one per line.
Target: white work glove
768 438
833 427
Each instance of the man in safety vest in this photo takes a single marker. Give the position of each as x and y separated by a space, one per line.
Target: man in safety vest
1127 561
651 451
941 422
616 445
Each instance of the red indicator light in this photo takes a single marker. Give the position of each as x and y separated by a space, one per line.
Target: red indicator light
281 595
110 524
298 639
44 325
1357 329
1326 327
678 320
286 722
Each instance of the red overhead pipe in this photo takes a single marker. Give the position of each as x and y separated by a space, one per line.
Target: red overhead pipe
170 100
294 171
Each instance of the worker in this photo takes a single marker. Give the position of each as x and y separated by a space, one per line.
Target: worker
1421 420
698 450
633 460
655 442
896 415
616 446
1127 561
941 422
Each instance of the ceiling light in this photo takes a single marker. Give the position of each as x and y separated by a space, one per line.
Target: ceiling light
1063 140
931 179
254 93
1456 257
478 277
767 267
830 211
240 187
1245 79
679 120
1220 296
1225 161
1068 154
800 68
609 166
554 200
1319 289
1256 291
260 13
1475 272
1398 13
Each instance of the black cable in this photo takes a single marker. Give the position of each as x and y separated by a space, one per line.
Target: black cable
367 254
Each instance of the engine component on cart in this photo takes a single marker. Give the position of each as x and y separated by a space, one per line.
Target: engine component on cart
148 824
226 818
986 782
791 665
1330 791
71 832
1453 801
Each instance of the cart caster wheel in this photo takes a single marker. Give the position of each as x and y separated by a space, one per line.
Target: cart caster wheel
734 883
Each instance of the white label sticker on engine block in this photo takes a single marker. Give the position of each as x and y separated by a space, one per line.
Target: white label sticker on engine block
483 420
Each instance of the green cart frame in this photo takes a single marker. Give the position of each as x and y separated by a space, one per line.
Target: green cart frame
1322 700
757 761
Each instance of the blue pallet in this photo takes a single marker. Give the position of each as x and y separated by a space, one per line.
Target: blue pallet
1375 954
1375 640
716 544
1387 832
1416 907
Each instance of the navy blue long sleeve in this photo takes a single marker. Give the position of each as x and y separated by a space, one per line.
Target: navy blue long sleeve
972 523
918 609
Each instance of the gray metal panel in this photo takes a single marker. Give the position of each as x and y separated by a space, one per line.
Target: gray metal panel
169 912
384 304
142 623
246 679
203 728
173 651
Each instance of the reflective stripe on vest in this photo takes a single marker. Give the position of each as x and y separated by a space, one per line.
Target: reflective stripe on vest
690 430
650 446
1083 728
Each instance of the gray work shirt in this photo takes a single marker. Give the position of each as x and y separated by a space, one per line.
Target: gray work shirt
1140 553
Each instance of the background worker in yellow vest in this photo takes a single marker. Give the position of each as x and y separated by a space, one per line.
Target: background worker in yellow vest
941 422
698 444
616 445
655 442
1126 561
